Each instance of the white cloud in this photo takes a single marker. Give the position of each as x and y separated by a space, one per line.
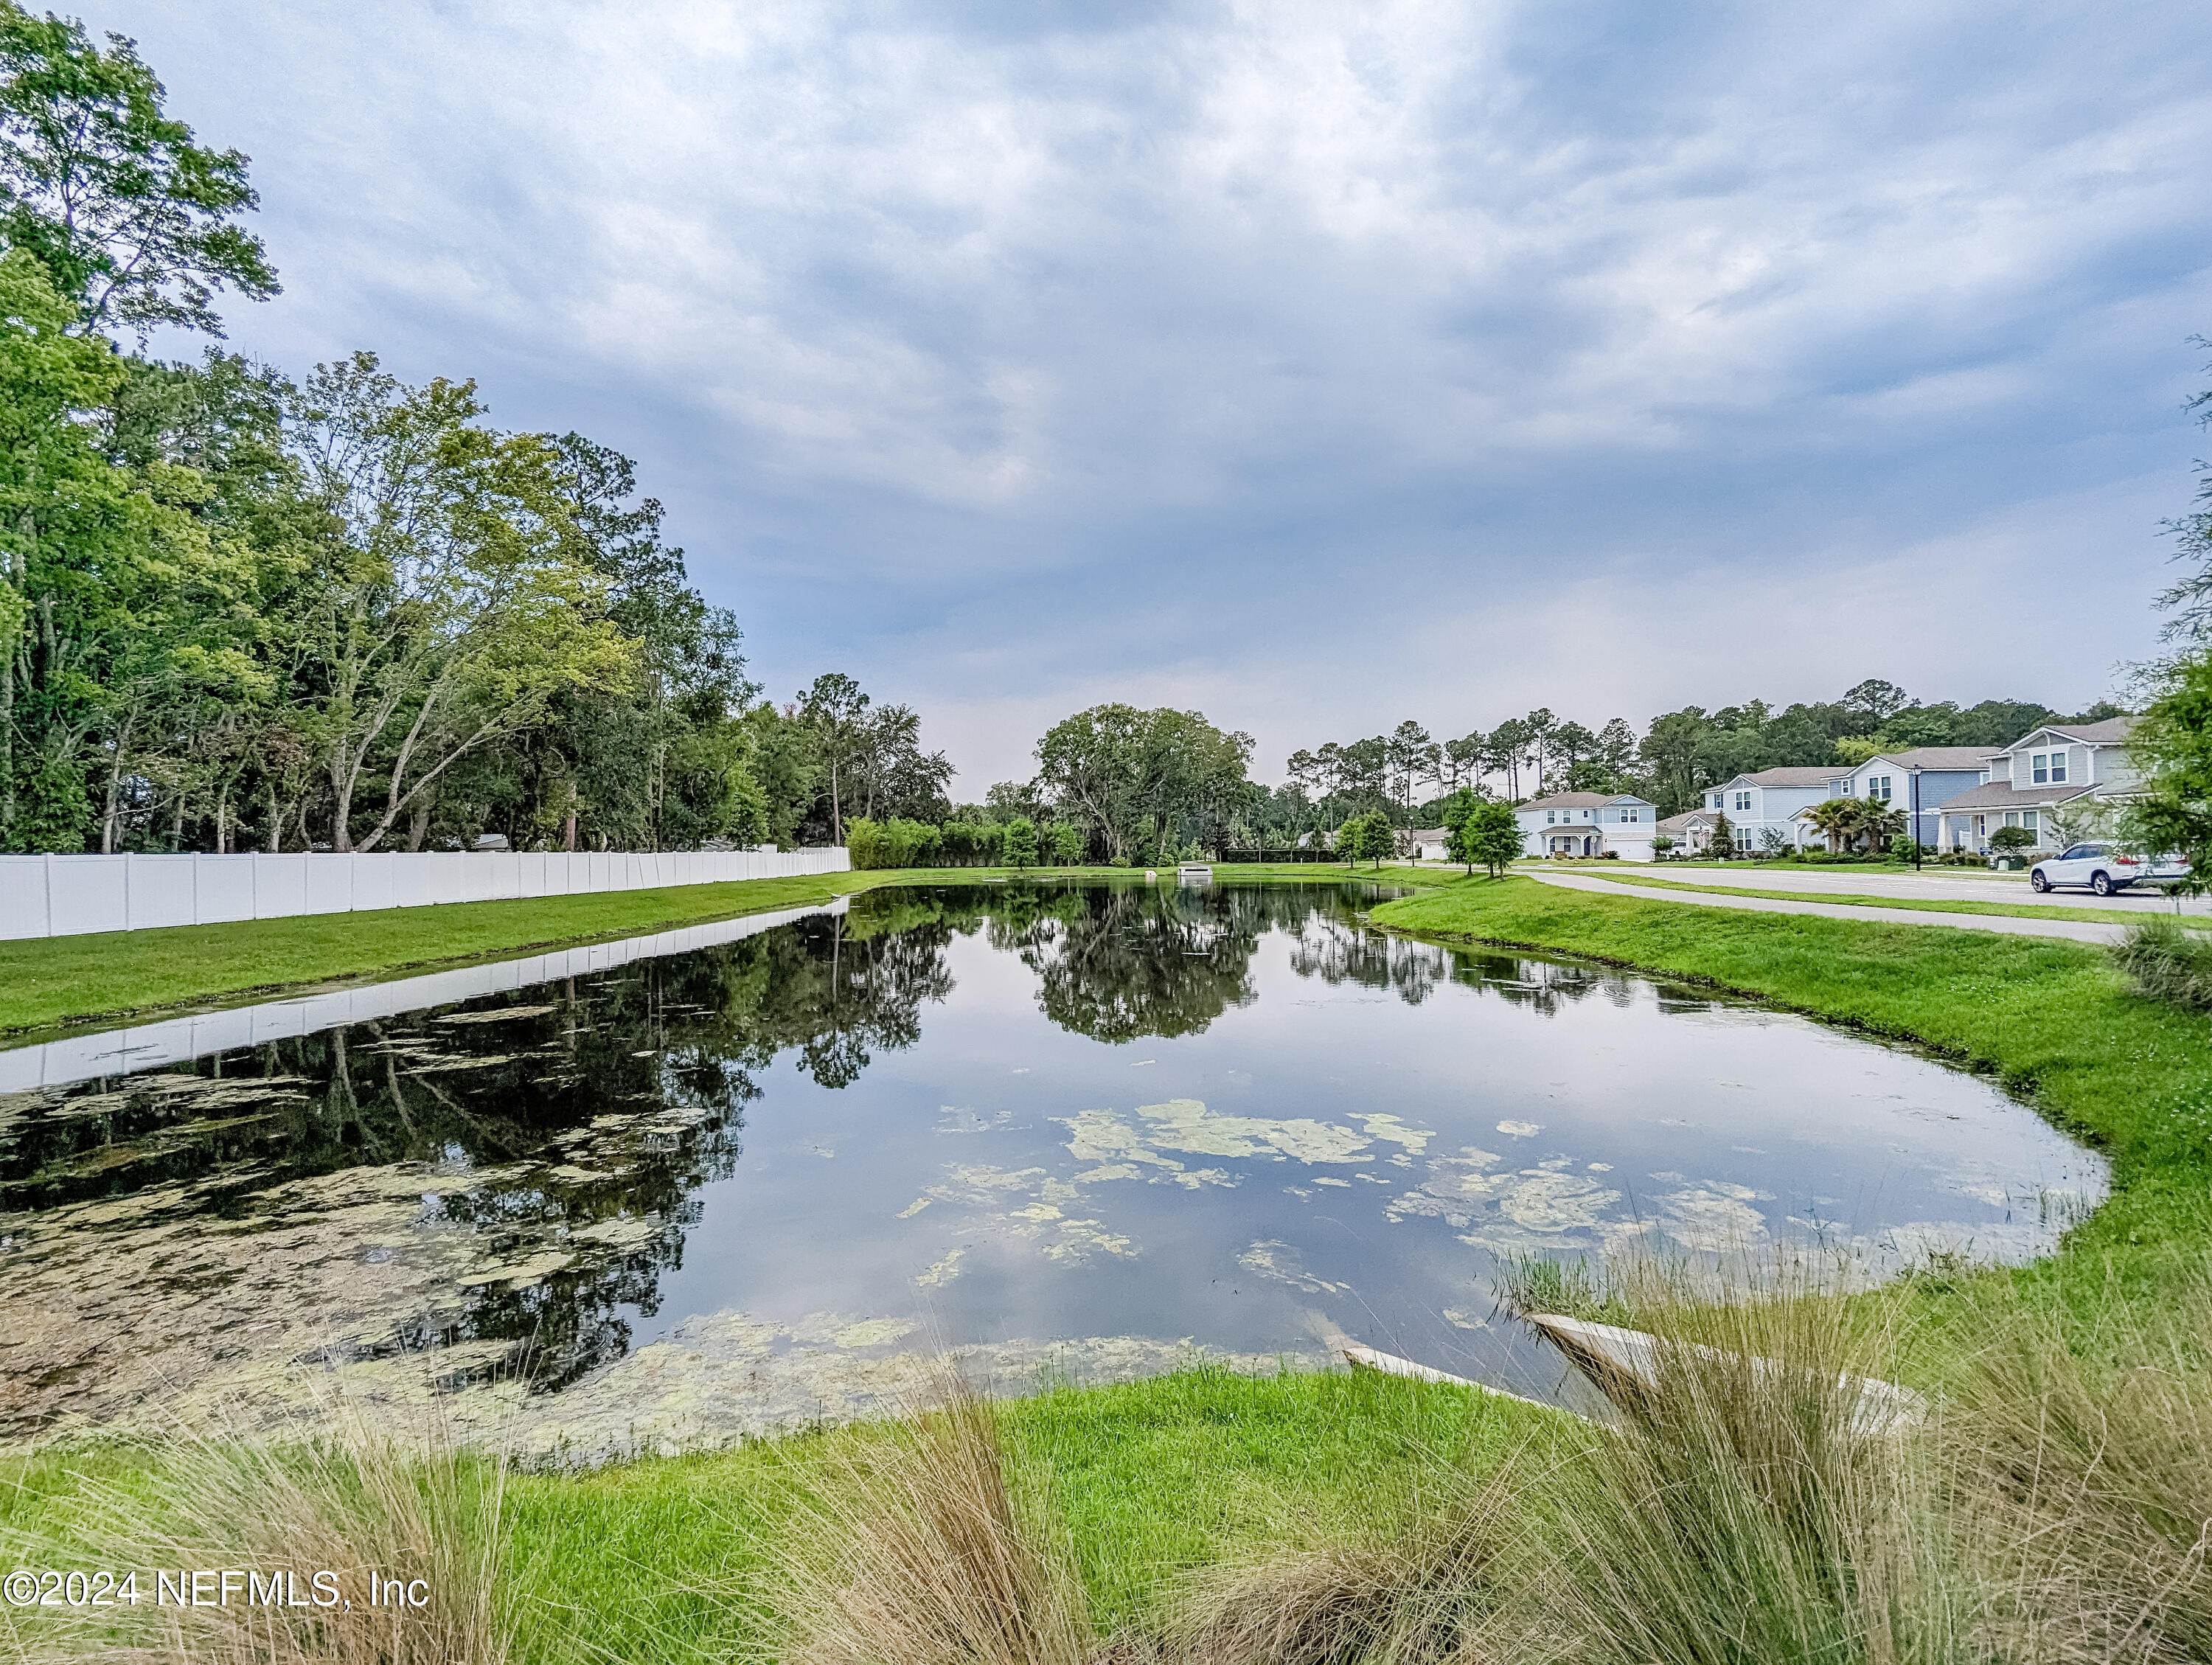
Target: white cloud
1010 366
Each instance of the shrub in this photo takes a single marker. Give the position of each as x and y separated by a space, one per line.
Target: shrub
2168 963
2010 840
895 844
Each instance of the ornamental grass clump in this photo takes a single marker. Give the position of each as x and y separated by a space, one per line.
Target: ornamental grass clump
2168 962
1419 1590
1756 1501
355 1504
2083 1441
918 1550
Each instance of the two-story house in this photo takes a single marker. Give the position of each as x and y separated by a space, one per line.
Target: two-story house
1768 801
2040 782
1589 823
1945 772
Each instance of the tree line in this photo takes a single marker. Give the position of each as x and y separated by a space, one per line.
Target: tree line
1407 774
242 610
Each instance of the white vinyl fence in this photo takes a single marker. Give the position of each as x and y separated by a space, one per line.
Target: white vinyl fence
172 1040
70 895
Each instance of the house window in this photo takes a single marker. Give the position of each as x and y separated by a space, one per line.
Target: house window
2040 762
1743 802
2057 768
1847 791
1878 787
1551 816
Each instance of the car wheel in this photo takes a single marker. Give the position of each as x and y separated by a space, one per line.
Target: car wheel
2101 884
2037 882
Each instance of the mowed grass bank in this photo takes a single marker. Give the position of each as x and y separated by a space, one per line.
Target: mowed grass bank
51 981
683 1558
2057 1021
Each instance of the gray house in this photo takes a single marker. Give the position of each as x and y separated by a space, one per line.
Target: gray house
2041 781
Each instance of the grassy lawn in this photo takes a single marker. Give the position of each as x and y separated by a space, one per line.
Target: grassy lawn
676 1559
1910 905
51 981
1884 867
1150 1479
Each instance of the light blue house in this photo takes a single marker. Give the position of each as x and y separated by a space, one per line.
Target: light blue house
1763 807
1944 772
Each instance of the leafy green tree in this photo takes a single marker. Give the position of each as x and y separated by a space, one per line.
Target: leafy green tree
836 714
1490 834
1021 843
460 595
1135 776
2173 740
133 220
1876 701
1455 809
104 576
1370 837
1413 757
1508 750
1068 846
1671 752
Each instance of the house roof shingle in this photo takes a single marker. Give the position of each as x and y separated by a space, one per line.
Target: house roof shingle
1581 800
1791 776
2112 731
1941 757
1998 795
1675 823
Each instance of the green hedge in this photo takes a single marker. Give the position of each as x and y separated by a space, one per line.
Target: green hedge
1017 843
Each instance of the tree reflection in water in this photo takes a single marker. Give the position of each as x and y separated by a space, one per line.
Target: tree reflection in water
586 1116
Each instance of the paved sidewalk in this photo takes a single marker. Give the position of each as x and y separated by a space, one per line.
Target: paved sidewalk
1934 885
2003 924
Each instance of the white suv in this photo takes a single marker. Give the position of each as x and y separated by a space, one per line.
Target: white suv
2104 869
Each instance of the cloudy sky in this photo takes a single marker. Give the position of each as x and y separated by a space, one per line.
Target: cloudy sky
1313 365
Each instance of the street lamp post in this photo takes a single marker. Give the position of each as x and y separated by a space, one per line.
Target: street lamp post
1915 772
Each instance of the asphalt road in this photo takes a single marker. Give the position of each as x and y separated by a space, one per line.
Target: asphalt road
1933 886
2000 924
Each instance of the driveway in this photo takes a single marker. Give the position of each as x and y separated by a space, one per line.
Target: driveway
2003 925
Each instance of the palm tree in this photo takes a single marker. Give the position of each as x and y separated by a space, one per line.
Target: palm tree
1836 820
1879 822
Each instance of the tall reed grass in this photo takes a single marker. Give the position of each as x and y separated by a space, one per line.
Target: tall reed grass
355 1501
2052 1507
920 1551
2168 961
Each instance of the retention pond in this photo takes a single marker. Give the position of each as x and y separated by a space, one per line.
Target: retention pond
736 1179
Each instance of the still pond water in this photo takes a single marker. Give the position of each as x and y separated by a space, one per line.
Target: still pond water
1087 1130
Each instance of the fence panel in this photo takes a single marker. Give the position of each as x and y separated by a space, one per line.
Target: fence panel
160 891
88 893
280 886
68 895
330 886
